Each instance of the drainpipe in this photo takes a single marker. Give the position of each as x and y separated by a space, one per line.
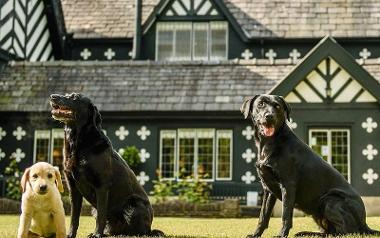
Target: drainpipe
137 36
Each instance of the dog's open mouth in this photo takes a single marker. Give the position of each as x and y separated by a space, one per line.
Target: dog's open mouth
60 112
267 130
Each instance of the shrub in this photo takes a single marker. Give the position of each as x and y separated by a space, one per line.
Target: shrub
13 185
131 156
189 189
162 190
194 191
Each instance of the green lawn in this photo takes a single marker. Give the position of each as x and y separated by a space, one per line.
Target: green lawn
193 227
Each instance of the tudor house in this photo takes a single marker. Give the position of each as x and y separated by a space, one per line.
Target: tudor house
169 77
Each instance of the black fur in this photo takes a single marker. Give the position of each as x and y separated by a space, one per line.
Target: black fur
291 172
96 172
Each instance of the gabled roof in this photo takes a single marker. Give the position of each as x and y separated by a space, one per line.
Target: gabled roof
328 73
216 8
257 18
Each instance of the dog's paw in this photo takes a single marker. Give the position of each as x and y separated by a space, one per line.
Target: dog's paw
92 235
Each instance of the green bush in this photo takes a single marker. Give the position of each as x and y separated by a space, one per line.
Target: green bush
193 191
131 156
162 190
13 184
190 190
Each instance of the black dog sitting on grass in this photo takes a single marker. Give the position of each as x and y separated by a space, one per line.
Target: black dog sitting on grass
291 172
97 173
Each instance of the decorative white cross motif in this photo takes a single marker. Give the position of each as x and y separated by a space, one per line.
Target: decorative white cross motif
142 178
370 152
248 177
364 54
292 124
370 176
144 155
85 54
2 133
247 54
248 155
19 133
122 133
294 55
109 54
18 155
2 154
248 132
369 124
271 55
143 133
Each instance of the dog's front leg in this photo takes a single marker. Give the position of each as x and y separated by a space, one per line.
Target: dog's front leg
266 210
60 224
76 199
288 198
23 228
101 207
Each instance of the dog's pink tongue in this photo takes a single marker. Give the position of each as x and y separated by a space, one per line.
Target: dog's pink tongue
268 131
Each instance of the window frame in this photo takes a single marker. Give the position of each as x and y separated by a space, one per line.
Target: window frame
38 135
218 132
192 35
160 155
194 134
329 138
56 134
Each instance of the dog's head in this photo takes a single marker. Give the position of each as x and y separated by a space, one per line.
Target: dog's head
74 109
268 112
41 178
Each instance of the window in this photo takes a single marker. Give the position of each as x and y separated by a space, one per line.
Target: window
196 153
41 148
167 154
333 145
191 41
224 155
57 148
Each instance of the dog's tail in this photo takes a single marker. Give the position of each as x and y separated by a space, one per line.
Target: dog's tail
157 233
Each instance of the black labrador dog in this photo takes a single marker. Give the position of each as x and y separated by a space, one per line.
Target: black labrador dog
96 172
291 172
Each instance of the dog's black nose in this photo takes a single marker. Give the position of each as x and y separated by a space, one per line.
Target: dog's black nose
43 188
269 116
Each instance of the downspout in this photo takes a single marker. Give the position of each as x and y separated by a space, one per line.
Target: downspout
137 36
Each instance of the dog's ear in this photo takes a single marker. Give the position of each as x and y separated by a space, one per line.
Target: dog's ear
25 179
58 180
96 117
286 107
246 107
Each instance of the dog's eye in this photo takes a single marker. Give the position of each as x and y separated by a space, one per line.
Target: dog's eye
261 104
50 176
277 106
35 176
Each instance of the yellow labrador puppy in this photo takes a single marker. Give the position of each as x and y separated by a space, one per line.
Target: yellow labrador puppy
42 208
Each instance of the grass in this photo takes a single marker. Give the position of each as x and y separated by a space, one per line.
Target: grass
192 227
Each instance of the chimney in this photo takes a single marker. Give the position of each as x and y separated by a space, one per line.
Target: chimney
137 36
